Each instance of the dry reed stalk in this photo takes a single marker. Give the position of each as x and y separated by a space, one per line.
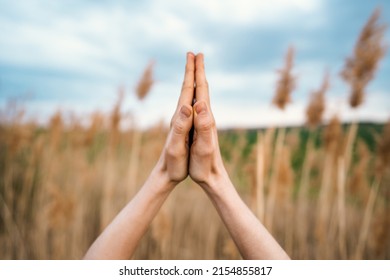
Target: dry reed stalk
369 50
230 249
383 153
56 127
133 167
341 213
97 120
368 213
352 132
268 143
286 82
332 136
316 107
115 120
357 183
383 161
302 223
343 165
324 205
14 232
273 180
260 200
108 192
284 197
161 231
59 212
146 82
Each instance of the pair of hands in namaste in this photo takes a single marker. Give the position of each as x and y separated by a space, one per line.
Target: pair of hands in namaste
200 156
185 153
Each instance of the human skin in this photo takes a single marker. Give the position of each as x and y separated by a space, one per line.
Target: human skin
120 238
207 169
202 161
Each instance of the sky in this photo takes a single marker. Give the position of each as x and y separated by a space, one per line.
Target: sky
73 56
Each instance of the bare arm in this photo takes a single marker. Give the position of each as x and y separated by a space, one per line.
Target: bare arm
207 169
120 239
250 236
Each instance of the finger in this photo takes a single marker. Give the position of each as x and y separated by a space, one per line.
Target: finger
181 125
187 91
202 88
204 123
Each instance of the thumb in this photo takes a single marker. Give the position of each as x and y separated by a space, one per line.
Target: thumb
181 125
203 122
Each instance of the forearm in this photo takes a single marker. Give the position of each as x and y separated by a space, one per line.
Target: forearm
250 236
119 240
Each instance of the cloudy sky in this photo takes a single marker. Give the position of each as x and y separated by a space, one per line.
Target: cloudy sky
73 55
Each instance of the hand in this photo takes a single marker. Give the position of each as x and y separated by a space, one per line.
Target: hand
174 158
206 164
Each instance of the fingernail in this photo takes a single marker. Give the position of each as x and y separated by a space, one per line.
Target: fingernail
185 112
201 107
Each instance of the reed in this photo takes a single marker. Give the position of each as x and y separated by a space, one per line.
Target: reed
316 106
383 162
286 82
321 198
360 68
146 82
332 138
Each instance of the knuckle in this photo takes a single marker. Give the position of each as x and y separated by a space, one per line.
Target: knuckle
206 124
187 85
171 152
178 127
174 152
207 150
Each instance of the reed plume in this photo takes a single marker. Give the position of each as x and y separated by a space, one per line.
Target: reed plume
360 68
146 82
286 82
316 106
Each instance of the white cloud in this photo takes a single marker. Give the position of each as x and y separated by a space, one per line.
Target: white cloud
375 107
244 12
112 43
237 82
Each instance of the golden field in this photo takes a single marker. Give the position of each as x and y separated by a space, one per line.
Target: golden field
62 184
323 190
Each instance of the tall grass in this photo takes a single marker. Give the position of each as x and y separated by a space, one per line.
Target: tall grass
56 193
322 191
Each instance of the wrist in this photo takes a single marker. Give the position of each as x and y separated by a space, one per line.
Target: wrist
160 175
217 183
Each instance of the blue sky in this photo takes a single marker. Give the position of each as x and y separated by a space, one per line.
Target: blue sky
73 55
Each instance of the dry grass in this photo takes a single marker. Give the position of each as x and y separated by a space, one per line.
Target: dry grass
146 82
325 198
360 68
316 107
55 197
286 82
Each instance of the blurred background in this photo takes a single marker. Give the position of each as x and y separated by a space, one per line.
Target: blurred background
73 55
299 90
